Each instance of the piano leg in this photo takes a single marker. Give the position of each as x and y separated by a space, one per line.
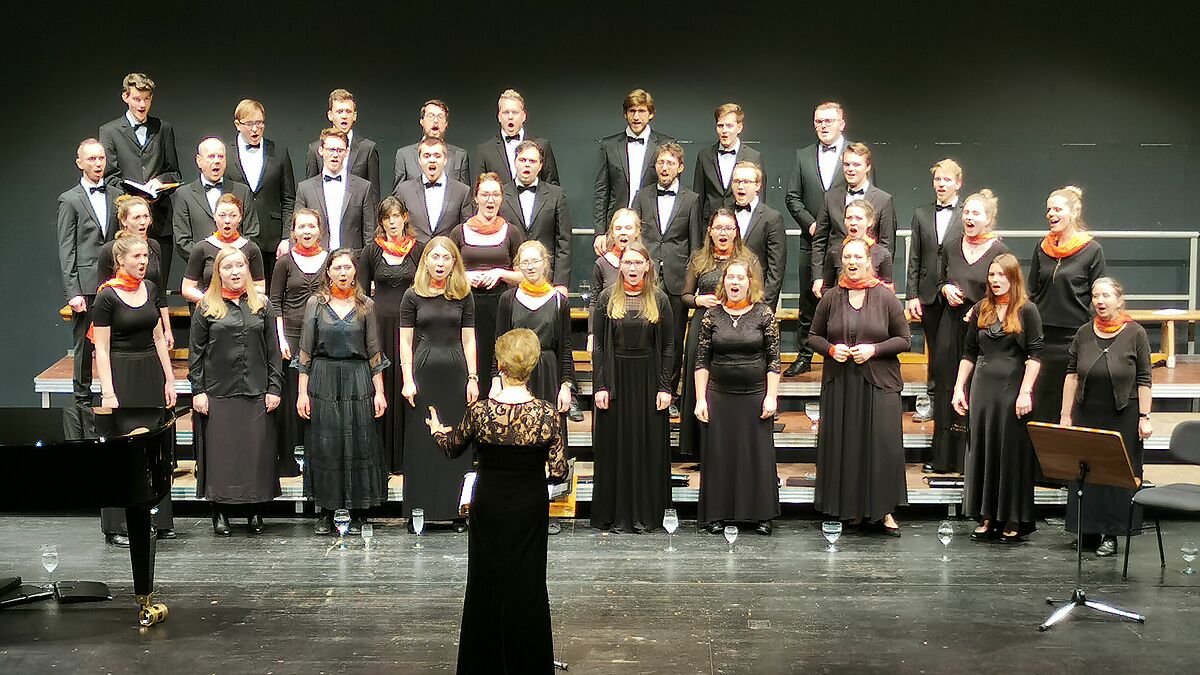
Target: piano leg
141 555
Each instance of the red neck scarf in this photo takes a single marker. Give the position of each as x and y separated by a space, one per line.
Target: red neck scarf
1003 299
438 285
719 252
869 240
850 284
478 226
1113 326
339 293
232 295
227 240
536 290
975 241
123 281
399 249
616 251
740 304
1054 248
308 252
633 289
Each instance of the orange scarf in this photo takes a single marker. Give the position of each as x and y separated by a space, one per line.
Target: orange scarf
227 240
232 295
869 282
438 285
869 240
1114 326
633 289
476 225
399 249
1070 247
975 241
1002 299
123 281
308 252
723 252
740 304
339 293
536 291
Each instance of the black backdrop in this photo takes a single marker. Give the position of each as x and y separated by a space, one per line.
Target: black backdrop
1027 97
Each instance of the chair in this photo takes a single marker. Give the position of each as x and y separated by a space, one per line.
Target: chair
1185 497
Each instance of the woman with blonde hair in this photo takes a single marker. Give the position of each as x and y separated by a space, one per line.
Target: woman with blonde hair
341 364
631 376
235 370
1001 361
438 361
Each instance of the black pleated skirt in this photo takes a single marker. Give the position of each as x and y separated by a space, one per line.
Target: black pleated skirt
393 384
343 447
236 451
738 480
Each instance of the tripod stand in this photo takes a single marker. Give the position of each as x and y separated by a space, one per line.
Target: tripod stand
1084 456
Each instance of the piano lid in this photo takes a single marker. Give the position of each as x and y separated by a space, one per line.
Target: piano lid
41 427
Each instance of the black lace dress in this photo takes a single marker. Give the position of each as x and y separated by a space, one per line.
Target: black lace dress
506 611
690 428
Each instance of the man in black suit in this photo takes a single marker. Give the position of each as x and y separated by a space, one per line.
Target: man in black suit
347 203
761 226
627 159
671 230
540 210
87 219
195 203
141 148
831 226
436 202
267 170
499 155
435 119
817 168
364 156
932 224
714 164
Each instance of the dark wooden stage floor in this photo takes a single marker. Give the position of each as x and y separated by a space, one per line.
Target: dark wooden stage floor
280 603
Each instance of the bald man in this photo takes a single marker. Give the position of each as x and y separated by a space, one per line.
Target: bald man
195 202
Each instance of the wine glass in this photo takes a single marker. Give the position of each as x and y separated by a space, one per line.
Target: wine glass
417 520
831 530
1188 551
670 524
924 406
945 533
368 531
812 410
50 561
731 533
341 521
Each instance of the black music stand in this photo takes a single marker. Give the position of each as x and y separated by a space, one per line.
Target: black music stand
1082 456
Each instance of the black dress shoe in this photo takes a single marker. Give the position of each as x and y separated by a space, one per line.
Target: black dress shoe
574 413
798 367
221 524
716 527
765 528
460 526
120 540
890 531
928 468
167 533
987 535
554 527
323 523
256 523
1107 547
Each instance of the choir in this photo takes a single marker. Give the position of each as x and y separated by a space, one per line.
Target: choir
379 309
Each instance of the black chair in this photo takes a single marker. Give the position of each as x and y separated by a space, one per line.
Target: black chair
1185 497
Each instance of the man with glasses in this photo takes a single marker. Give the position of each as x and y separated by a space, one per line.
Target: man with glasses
347 203
761 226
363 159
627 159
436 202
714 164
816 168
267 170
435 119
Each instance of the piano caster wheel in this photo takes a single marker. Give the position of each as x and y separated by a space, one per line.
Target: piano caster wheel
151 612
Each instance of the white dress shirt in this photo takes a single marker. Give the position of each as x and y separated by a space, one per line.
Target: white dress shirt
143 132
212 195
830 161
99 204
335 198
510 151
942 220
526 198
435 200
743 217
666 205
725 162
635 153
252 161
866 185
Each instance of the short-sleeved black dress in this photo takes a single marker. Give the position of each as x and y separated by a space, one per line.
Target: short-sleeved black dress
291 287
200 262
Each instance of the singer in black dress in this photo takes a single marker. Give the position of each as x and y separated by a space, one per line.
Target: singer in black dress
386 268
198 274
624 227
506 611
631 374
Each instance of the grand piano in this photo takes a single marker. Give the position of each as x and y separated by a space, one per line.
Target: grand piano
126 455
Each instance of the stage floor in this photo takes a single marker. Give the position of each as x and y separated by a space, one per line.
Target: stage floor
281 603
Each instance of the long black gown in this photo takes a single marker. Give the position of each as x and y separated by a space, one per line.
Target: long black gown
506 610
690 428
738 480
1000 460
431 481
631 359
390 283
552 324
291 287
949 447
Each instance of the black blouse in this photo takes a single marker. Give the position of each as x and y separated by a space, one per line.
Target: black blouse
881 262
738 352
132 327
326 335
105 268
1127 356
970 278
437 320
291 287
477 257
554 334
1029 341
200 262
373 267
1062 287
236 355
880 321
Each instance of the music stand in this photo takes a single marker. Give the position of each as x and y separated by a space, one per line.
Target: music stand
1084 457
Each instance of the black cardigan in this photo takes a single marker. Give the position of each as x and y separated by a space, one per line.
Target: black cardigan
881 323
603 364
1128 361
566 361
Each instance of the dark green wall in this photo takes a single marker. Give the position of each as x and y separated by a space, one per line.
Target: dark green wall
1010 91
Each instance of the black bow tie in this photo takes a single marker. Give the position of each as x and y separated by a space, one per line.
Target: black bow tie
253 147
666 193
828 148
525 188
726 152
430 186
338 178
942 207
98 188
635 139
510 139
137 125
856 193
741 207
214 186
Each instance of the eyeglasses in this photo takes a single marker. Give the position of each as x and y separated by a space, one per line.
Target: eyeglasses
529 264
336 151
825 123
633 263
434 116
724 228
745 181
257 124
490 195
